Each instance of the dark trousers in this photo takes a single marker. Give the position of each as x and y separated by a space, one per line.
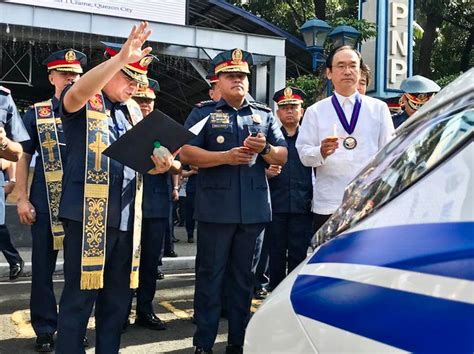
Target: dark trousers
9 251
288 236
189 205
220 246
44 316
260 262
111 302
319 220
182 210
153 231
169 233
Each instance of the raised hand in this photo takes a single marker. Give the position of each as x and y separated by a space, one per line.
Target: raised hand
132 49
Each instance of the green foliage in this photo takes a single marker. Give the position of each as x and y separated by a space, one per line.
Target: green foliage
446 80
290 15
452 38
310 84
367 29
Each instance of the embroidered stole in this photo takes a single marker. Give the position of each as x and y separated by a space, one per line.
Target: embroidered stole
96 192
52 163
136 116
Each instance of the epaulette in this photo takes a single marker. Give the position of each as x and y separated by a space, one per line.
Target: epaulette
4 90
260 105
205 103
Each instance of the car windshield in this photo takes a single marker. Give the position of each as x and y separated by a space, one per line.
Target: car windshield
411 154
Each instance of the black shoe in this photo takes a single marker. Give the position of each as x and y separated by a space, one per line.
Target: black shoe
160 275
190 239
44 343
234 349
150 321
85 342
202 351
16 270
175 240
171 254
261 294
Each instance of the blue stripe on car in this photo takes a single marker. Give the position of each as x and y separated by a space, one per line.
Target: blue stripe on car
412 322
442 249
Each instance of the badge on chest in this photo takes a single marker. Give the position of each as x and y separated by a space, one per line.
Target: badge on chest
219 119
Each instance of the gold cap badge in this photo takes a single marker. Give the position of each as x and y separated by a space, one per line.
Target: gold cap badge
288 92
70 56
237 56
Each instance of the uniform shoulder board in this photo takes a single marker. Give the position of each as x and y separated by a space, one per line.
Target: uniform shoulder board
260 105
205 103
4 90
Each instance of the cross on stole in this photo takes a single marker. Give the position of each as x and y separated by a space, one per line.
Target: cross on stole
49 144
97 147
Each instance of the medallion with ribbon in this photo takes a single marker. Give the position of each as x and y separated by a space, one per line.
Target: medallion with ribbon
349 142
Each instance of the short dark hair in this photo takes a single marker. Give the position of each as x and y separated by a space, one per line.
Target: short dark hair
337 50
365 70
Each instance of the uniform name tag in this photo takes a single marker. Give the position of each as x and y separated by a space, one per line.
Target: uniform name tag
219 118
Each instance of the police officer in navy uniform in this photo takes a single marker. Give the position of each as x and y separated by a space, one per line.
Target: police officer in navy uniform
156 196
12 131
288 234
232 199
64 67
192 171
417 91
104 90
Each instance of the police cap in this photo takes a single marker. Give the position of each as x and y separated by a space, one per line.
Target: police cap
148 91
232 61
288 95
66 60
137 70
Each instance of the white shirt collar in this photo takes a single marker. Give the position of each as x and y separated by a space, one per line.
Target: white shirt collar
342 98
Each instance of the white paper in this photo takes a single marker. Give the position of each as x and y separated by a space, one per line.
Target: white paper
196 128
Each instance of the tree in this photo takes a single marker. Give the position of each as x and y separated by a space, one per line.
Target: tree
447 43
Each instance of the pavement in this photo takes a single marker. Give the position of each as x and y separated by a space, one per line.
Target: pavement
21 238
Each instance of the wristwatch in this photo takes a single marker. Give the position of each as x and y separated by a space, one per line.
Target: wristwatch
266 149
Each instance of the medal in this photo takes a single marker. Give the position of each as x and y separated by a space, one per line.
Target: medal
220 139
349 143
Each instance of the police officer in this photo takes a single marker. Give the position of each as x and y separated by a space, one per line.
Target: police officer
12 131
40 210
232 202
100 203
191 171
156 205
289 233
417 91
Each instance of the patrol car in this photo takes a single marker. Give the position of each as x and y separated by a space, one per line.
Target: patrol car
393 268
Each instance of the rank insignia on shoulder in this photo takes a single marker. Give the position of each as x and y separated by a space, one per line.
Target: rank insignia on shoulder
261 106
205 103
5 90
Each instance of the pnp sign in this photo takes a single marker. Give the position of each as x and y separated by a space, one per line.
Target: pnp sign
389 53
398 43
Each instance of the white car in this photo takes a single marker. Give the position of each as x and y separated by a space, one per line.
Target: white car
393 268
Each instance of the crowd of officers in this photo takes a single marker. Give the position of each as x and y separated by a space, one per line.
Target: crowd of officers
259 188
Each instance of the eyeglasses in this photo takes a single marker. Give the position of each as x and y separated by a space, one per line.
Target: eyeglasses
352 67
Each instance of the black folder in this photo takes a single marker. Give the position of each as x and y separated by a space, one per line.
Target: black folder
134 148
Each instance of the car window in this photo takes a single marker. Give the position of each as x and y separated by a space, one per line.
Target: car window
409 156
